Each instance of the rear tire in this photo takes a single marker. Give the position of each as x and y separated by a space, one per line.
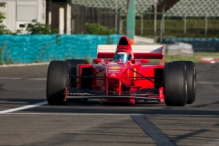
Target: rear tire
73 65
191 81
175 84
57 80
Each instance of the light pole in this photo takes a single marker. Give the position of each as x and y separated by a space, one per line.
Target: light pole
155 20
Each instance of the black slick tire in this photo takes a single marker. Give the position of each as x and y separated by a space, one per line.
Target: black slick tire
175 84
191 80
57 80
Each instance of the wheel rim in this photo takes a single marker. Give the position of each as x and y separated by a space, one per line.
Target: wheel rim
194 83
186 86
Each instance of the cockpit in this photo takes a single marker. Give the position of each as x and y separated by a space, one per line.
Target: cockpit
122 57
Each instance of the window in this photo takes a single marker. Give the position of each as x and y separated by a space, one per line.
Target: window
26 11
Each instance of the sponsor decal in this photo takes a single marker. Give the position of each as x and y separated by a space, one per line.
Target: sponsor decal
113 75
134 74
113 70
114 67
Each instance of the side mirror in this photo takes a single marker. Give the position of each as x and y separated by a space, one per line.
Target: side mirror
97 60
144 60
106 61
133 61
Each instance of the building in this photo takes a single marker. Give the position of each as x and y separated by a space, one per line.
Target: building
20 12
58 15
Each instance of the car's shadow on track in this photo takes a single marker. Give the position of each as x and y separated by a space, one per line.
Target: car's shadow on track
119 110
94 107
113 104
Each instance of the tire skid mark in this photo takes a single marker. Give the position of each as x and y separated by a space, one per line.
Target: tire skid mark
153 131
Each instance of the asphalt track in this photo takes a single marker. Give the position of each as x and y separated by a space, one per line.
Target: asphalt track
26 119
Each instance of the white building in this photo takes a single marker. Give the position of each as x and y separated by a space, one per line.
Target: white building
20 12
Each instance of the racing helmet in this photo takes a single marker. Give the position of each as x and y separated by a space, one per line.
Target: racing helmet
122 57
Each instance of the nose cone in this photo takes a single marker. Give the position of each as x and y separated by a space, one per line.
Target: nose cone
117 76
115 70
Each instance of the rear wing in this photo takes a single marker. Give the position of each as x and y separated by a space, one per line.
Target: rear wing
139 51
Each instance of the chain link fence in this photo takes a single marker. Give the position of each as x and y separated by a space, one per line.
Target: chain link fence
80 15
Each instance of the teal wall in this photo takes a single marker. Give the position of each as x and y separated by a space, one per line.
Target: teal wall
198 44
44 48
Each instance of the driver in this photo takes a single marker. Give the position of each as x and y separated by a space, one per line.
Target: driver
123 51
122 57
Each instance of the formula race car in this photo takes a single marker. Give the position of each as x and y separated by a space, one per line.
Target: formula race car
122 74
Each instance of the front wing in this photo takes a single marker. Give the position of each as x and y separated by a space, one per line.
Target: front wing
145 94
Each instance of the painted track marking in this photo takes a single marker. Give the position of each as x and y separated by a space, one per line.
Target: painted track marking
44 79
23 107
207 82
149 128
6 78
12 78
105 114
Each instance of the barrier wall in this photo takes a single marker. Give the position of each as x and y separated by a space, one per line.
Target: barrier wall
44 48
198 44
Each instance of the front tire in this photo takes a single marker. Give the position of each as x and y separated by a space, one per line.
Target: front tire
57 80
175 84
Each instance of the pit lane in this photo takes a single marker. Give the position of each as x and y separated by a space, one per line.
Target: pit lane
94 124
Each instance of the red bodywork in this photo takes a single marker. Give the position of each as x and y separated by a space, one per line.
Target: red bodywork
120 82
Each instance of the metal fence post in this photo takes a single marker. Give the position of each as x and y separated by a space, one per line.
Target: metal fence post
184 18
161 28
116 15
142 24
206 25
155 20
163 14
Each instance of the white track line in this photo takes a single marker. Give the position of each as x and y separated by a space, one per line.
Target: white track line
107 114
207 82
23 107
7 78
43 79
39 79
24 64
69 114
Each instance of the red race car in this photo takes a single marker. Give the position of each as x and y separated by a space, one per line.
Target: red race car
122 74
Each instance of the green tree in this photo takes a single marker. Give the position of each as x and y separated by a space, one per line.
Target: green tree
39 28
97 29
3 28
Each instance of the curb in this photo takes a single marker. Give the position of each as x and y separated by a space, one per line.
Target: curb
27 64
209 60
